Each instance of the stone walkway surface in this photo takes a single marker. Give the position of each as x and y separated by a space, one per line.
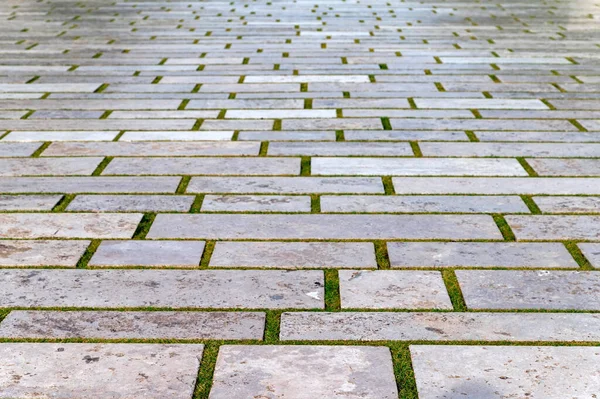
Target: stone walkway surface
292 199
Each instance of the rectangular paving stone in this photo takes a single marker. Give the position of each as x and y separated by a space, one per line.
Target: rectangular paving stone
483 124
397 289
510 150
280 371
173 148
331 124
324 227
210 289
287 136
25 253
44 88
542 227
203 166
566 167
341 148
285 185
405 135
18 149
568 204
417 166
28 202
496 186
138 325
131 203
434 326
591 252
111 371
84 135
422 204
479 254
476 103
528 289
148 253
48 166
547 372
256 203
280 113
61 225
290 255
177 136
96 184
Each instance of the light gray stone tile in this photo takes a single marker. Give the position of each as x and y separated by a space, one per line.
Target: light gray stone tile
402 135
510 150
528 289
280 113
567 137
60 225
393 289
290 255
435 326
17 149
566 167
505 371
24 253
323 227
148 253
231 124
568 204
84 135
416 166
341 148
48 166
255 203
331 124
479 254
177 136
44 88
285 185
211 289
287 136
483 124
138 325
95 184
246 104
422 204
28 202
284 371
143 148
203 166
591 252
477 103
200 114
131 203
542 227
111 371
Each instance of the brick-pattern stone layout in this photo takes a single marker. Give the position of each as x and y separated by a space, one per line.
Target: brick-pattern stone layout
293 199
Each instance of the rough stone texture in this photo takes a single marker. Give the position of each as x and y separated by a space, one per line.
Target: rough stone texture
148 253
255 203
568 204
541 228
294 254
512 289
244 371
386 289
435 326
219 289
90 371
479 254
131 203
591 252
28 202
505 371
24 253
128 325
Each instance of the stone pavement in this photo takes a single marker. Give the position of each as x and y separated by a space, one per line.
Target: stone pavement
299 199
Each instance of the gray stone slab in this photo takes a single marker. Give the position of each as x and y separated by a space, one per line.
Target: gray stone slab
323 227
566 167
256 203
96 184
496 186
61 225
128 325
435 326
331 124
285 185
61 136
204 289
479 254
477 103
483 124
591 252
111 371
185 148
505 371
341 148
148 253
48 166
173 135
417 167
28 202
26 253
284 371
528 289
542 227
393 289
131 203
203 166
422 204
405 135
290 255
18 149
510 150
287 136
568 204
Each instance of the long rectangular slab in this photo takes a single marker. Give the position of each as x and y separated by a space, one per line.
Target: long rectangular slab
510 149
95 184
128 325
48 166
435 326
546 227
265 227
210 289
25 253
142 148
547 372
91 371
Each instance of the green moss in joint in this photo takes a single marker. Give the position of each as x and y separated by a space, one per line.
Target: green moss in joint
332 290
505 229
